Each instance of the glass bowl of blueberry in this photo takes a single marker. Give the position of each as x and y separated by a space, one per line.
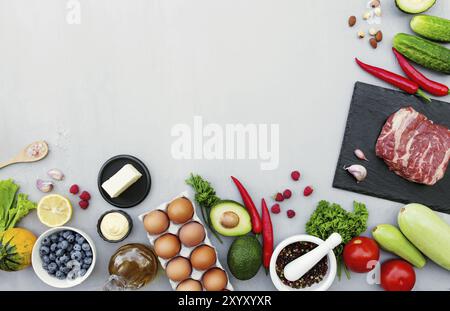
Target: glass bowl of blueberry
63 257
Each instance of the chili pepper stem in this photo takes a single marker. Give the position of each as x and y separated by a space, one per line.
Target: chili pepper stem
421 94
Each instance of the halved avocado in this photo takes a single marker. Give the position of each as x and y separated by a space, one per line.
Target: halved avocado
230 218
414 6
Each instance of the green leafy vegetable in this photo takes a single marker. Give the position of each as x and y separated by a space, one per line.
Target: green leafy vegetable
206 196
12 210
331 217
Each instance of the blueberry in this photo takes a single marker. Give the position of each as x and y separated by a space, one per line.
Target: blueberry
64 258
45 266
70 238
76 255
52 267
60 233
46 259
86 247
58 261
60 252
53 247
80 240
64 244
72 275
82 272
88 253
52 256
87 260
60 275
64 269
85 266
70 247
73 264
77 247
66 234
46 241
44 250
54 237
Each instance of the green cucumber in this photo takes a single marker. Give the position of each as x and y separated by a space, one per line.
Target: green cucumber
414 6
424 52
392 240
431 27
427 231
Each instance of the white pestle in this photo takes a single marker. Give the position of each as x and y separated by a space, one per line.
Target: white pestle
298 267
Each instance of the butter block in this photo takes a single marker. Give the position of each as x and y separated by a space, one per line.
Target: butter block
121 181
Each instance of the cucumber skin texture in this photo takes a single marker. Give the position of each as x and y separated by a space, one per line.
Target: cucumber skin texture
427 231
431 27
392 240
415 12
424 52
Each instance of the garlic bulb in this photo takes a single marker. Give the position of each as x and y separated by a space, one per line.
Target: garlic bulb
44 185
358 171
55 174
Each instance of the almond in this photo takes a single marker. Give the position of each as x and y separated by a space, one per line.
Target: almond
379 36
352 21
373 43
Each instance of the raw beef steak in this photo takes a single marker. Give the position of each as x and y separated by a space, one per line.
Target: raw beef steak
414 147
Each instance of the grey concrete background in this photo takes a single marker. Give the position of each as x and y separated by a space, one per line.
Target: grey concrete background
121 79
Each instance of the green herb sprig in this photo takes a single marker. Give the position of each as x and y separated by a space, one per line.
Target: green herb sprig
331 217
206 197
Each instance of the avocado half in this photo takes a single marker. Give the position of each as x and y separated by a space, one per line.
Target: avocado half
414 6
229 218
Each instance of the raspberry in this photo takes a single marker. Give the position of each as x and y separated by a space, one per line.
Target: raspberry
85 196
290 213
287 194
279 197
83 204
74 189
275 209
295 175
308 191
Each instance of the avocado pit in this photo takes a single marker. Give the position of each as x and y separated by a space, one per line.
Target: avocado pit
229 220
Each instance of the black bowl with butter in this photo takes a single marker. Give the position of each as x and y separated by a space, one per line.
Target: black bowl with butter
114 226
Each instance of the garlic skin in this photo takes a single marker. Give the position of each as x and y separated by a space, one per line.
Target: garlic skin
55 174
360 155
44 185
358 171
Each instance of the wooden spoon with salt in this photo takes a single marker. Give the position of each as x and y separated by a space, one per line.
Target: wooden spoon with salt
35 151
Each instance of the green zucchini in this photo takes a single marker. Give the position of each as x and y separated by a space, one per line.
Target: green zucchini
427 231
431 27
414 6
424 52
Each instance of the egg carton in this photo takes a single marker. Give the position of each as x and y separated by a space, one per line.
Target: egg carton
185 251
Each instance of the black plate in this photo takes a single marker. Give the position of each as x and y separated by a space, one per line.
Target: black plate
371 106
133 195
130 224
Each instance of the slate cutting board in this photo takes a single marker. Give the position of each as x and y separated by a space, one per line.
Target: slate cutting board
370 107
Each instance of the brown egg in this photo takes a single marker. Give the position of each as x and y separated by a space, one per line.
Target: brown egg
203 257
178 269
192 234
190 285
180 210
156 222
215 279
167 246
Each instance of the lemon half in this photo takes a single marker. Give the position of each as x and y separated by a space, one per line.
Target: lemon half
54 210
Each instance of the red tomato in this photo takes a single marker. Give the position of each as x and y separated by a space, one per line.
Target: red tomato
397 275
361 254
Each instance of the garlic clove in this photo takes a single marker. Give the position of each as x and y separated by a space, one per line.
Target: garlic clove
360 155
358 171
55 174
44 185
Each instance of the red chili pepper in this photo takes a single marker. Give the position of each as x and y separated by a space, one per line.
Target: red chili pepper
432 87
267 234
402 83
251 208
